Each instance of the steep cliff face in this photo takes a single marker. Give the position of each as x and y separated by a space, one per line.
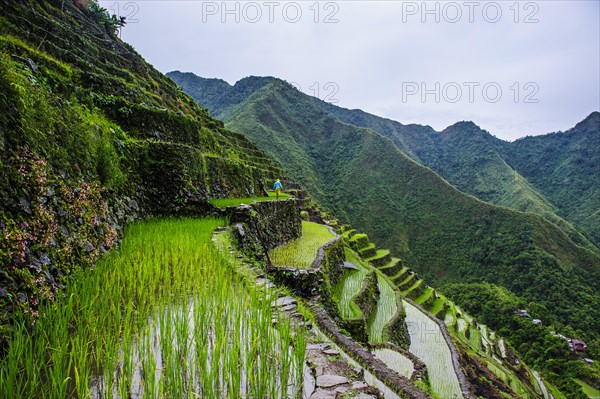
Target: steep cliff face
92 137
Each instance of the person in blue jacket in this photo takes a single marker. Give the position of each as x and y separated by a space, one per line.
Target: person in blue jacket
277 187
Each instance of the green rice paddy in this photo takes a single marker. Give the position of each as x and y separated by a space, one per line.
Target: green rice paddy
384 312
396 361
165 316
429 345
302 252
225 202
349 286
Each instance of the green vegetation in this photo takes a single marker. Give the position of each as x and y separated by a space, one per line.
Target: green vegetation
475 339
302 252
564 167
429 345
348 287
167 315
92 137
554 175
445 235
396 361
496 307
225 202
111 22
590 391
384 312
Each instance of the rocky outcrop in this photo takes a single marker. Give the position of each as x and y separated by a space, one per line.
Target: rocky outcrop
177 179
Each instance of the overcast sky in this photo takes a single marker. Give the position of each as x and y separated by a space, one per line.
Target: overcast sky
514 68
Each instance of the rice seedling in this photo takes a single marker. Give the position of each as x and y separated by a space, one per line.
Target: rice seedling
166 316
384 312
429 345
301 252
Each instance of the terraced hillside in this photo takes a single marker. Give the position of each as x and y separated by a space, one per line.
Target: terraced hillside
470 158
91 138
507 375
445 235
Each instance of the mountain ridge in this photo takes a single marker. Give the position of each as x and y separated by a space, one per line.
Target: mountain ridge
464 154
445 234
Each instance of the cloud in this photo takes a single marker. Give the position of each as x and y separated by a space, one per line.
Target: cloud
548 51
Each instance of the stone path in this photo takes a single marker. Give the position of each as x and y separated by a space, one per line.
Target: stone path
328 374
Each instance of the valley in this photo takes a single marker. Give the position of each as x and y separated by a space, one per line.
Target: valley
143 253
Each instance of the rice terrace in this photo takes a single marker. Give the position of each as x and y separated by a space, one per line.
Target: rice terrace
169 235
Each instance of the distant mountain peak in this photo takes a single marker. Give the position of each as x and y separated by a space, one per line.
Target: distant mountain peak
592 122
194 76
463 125
253 80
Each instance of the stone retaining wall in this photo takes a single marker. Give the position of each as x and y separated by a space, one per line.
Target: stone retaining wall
399 384
324 273
260 226
396 330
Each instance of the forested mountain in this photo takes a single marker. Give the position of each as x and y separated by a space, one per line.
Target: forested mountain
446 235
554 175
471 159
565 167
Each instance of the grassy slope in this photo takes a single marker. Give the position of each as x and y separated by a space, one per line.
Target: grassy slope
86 125
95 101
446 235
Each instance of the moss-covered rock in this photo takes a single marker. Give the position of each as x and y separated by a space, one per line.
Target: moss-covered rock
368 296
